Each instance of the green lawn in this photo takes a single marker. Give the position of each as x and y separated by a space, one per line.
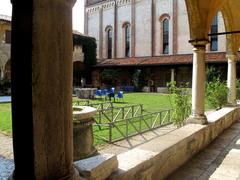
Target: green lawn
5 118
152 102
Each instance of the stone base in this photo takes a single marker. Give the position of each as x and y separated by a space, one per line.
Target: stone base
98 167
74 176
231 105
197 120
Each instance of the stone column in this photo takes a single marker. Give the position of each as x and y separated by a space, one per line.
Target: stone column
231 79
172 75
2 74
41 79
198 83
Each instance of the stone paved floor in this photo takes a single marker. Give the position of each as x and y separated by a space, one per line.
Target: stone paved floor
219 161
125 145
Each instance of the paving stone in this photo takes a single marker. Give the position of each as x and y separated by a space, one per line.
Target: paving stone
219 161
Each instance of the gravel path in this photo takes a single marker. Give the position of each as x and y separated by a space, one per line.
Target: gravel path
6 168
6 157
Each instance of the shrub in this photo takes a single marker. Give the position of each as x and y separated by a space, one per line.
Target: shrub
238 88
138 79
216 92
110 77
180 99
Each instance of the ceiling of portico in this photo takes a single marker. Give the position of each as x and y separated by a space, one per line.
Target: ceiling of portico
231 15
201 13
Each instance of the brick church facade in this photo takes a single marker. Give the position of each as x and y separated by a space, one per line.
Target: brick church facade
151 36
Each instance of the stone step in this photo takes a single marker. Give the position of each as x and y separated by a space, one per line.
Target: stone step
97 167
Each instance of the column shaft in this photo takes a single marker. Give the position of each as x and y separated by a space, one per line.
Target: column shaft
231 80
2 74
198 84
42 81
172 75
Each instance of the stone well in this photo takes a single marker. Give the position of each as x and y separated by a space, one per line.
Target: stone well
83 132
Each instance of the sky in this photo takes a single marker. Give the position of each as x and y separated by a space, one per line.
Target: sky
78 13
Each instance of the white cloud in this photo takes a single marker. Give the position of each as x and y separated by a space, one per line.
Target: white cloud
78 13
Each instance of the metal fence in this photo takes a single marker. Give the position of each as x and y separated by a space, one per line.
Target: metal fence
117 129
117 123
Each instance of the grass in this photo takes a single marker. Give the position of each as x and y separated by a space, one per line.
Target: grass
5 118
152 102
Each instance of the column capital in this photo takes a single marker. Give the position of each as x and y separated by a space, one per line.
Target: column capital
199 42
231 57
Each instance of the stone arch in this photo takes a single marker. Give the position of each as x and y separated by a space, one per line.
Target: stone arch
108 27
126 25
164 16
231 17
200 15
106 48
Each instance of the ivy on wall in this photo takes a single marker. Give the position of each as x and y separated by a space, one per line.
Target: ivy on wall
89 47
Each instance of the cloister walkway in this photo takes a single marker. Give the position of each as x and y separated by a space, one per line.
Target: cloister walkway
219 161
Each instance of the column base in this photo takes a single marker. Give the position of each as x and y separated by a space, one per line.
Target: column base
197 119
232 104
75 176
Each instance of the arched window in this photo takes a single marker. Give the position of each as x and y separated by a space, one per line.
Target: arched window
109 43
214 39
127 40
165 38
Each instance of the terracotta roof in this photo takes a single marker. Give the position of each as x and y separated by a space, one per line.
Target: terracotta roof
5 18
161 60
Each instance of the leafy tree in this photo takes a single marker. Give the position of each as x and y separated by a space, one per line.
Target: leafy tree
212 73
180 99
216 92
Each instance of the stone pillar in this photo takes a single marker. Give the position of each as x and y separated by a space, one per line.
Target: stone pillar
2 73
231 79
198 83
172 75
41 78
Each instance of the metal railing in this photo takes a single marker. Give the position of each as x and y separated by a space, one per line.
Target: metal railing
118 129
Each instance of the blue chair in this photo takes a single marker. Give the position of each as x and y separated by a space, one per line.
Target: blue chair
98 93
120 95
105 93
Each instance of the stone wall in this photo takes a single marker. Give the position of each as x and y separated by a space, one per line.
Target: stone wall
78 55
4 47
